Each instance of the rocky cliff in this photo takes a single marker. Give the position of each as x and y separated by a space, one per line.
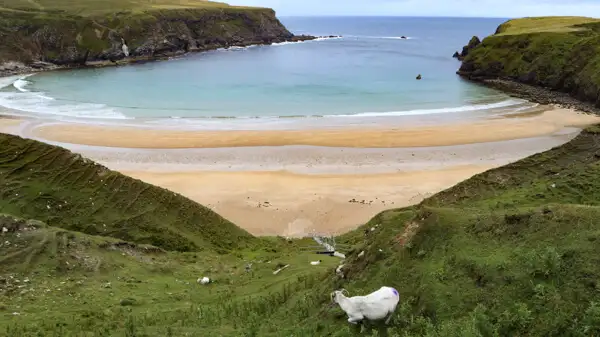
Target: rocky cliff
559 54
60 38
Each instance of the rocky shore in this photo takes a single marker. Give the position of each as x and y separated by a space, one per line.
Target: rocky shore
11 68
39 40
538 94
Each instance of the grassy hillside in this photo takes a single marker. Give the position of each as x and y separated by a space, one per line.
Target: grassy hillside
94 7
511 252
76 33
55 282
51 184
559 53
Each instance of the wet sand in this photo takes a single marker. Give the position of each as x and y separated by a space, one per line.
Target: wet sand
487 130
293 182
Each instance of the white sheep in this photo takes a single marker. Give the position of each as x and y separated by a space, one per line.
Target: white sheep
339 272
375 306
315 263
204 280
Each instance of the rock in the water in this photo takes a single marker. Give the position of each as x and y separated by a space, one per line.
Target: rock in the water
419 77
403 37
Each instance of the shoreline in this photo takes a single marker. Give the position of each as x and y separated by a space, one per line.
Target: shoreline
14 68
534 94
328 180
548 122
268 188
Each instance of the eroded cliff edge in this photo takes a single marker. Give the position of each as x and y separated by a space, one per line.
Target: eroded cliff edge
546 59
57 38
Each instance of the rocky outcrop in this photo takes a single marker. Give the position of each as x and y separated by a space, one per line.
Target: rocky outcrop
54 39
566 61
466 49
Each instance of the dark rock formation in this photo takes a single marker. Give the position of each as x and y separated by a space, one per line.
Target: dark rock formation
466 49
419 77
35 41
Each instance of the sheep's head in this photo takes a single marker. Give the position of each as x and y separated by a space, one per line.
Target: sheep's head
336 294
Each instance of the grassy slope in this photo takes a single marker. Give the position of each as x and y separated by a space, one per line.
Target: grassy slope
71 32
561 53
63 283
63 189
511 252
94 7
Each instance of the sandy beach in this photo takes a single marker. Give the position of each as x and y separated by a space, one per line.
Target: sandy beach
488 130
293 182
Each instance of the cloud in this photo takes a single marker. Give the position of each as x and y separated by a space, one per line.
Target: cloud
478 8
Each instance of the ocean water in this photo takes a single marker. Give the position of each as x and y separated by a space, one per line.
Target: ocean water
369 72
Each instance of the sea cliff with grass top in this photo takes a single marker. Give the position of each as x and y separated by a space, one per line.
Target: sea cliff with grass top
510 252
558 54
47 34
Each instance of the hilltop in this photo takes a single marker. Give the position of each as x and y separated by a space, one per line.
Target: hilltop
90 8
560 54
48 34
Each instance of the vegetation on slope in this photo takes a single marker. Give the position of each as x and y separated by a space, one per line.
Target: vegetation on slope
72 33
55 282
91 7
53 185
559 53
511 252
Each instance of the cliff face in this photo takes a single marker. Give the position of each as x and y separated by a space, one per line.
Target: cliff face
64 39
561 54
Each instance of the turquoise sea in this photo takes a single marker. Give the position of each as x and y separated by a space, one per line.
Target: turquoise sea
369 72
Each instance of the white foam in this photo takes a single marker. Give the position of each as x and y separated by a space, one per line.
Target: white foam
21 83
8 81
464 108
306 41
382 37
36 103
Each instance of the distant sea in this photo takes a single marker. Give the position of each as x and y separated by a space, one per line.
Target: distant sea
369 72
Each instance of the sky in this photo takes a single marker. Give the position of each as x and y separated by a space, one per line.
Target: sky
476 8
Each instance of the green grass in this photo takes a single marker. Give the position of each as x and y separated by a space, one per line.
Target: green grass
74 33
559 53
63 189
510 252
556 24
95 7
70 284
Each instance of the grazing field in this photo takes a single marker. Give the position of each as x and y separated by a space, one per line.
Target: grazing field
555 24
93 7
512 251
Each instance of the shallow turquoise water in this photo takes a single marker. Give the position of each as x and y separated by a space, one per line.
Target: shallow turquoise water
368 72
